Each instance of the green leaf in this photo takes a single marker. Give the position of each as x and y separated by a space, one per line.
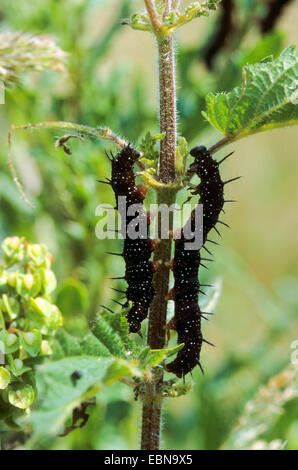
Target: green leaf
267 99
155 357
91 346
181 155
120 324
143 357
172 351
118 369
152 357
108 337
55 378
59 394
148 145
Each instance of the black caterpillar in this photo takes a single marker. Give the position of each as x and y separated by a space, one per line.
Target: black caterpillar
187 319
136 252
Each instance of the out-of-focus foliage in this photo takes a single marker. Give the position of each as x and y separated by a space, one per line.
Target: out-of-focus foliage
22 52
263 414
28 321
108 83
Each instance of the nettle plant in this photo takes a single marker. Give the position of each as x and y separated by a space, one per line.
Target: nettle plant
266 99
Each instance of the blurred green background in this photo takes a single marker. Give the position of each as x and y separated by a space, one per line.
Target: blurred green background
111 80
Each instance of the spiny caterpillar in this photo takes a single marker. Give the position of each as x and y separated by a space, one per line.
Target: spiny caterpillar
136 252
186 263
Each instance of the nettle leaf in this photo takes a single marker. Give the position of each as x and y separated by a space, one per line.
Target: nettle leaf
148 358
93 347
148 145
181 155
108 337
119 324
267 99
119 369
64 384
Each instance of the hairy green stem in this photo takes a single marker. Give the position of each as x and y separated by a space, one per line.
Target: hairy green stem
151 421
167 115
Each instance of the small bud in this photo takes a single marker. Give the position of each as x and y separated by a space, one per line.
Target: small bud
31 342
28 281
11 339
28 284
18 364
22 397
29 338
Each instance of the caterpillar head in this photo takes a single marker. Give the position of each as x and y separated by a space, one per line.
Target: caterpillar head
204 165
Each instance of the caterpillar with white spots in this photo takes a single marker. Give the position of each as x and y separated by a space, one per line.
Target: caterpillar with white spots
186 263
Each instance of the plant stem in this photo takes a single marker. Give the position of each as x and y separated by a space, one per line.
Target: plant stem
167 96
153 15
151 422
